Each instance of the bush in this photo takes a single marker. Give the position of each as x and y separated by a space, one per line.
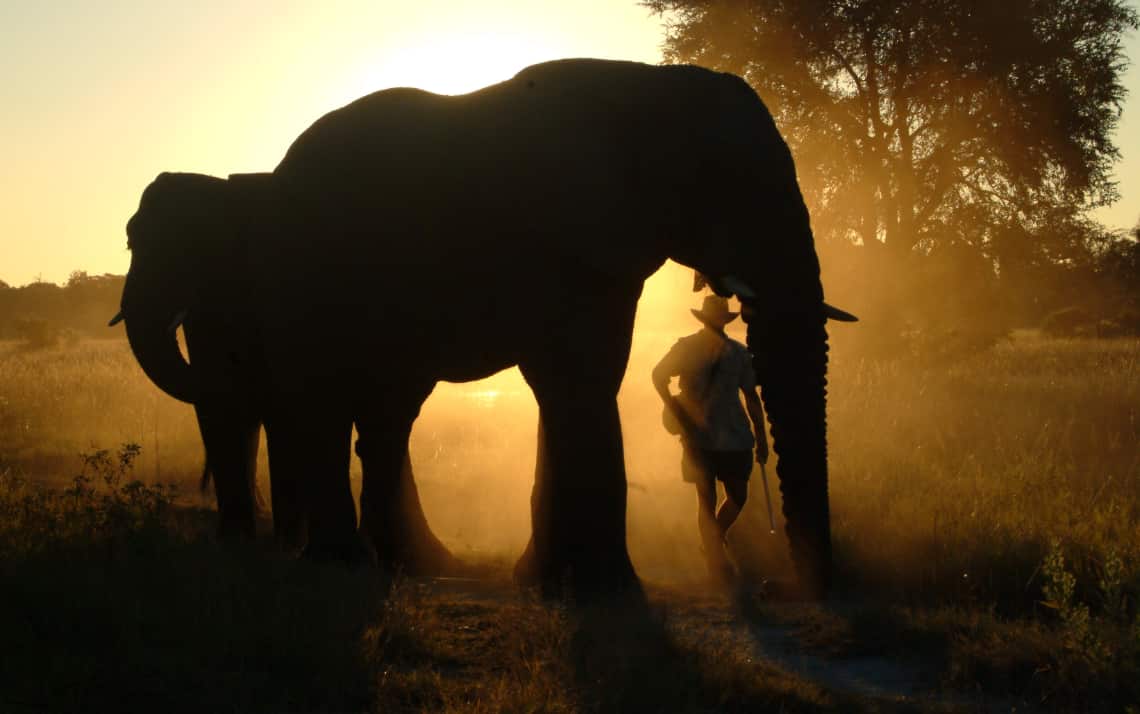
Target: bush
36 333
1068 322
103 508
932 345
1127 322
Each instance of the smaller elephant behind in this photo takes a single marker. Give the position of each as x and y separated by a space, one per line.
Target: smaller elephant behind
228 399
259 504
228 389
231 412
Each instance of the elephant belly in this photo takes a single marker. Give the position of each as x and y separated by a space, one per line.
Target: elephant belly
466 355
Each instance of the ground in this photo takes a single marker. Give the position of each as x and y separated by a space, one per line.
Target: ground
986 512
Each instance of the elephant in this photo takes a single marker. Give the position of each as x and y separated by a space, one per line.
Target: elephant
409 238
230 416
229 397
221 346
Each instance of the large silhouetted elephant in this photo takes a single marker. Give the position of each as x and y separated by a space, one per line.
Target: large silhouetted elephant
408 238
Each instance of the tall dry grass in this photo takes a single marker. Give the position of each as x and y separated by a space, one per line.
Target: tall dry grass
948 480
989 505
951 480
57 403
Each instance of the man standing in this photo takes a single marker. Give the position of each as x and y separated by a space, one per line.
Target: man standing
715 435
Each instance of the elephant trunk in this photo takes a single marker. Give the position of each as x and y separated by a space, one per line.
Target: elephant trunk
153 340
789 348
790 359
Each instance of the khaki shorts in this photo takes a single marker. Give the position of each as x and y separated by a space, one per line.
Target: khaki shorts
698 465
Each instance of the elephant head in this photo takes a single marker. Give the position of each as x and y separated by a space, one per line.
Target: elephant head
177 238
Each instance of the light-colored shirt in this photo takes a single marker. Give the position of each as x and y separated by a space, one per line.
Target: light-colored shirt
713 369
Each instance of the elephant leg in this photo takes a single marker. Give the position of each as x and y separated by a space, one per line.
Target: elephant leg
288 498
578 505
527 570
579 499
311 452
230 435
391 514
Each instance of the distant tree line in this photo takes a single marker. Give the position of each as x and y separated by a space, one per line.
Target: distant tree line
43 314
950 152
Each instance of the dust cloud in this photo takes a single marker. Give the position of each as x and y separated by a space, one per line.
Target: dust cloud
474 446
932 433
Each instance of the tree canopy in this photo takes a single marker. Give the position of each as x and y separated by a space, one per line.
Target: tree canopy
931 123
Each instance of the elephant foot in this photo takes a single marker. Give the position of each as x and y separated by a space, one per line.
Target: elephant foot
436 559
290 539
237 530
423 559
352 554
527 573
289 528
813 570
550 579
813 583
609 581
408 546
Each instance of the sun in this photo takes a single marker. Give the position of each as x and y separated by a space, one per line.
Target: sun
455 62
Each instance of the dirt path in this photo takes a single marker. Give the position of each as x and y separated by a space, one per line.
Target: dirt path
807 641
783 639
866 675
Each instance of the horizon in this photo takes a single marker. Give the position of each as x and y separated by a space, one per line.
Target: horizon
109 98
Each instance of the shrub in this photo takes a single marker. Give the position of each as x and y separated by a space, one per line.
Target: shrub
1128 322
1067 322
103 508
36 333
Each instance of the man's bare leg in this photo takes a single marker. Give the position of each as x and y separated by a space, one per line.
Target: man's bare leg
712 535
735 494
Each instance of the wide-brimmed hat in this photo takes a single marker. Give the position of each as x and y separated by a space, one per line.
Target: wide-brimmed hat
714 312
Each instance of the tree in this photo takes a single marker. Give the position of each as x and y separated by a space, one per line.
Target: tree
930 122
1118 262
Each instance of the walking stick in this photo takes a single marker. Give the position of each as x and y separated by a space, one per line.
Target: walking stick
768 499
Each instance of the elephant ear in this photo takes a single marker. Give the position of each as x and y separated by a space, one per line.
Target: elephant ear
253 208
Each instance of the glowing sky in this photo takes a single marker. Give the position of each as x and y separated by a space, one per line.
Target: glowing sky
96 98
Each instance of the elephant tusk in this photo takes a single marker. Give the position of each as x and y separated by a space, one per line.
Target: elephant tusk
116 319
699 281
177 320
724 285
834 313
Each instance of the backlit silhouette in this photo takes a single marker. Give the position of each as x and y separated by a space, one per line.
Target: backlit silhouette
409 238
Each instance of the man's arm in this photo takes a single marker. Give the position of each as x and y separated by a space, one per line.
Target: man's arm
756 413
663 374
661 379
